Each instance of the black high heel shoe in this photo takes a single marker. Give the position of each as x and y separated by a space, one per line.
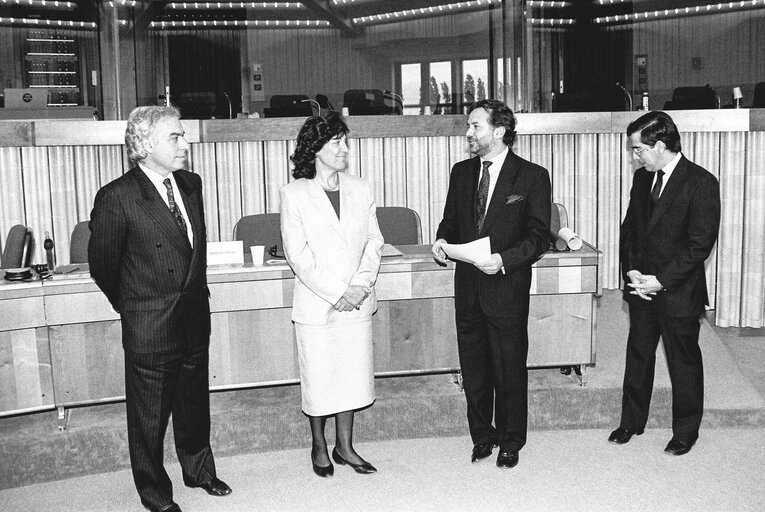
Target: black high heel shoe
365 468
323 471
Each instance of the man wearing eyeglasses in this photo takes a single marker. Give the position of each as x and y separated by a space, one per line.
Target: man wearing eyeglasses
668 232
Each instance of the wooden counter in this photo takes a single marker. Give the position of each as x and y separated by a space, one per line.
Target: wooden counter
60 340
50 172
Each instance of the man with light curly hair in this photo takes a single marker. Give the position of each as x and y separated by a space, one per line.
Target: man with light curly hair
147 253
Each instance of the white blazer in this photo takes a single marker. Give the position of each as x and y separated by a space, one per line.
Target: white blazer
328 254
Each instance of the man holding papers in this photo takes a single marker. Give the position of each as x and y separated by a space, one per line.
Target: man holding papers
502 197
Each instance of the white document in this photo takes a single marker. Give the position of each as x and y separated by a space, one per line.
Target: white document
473 252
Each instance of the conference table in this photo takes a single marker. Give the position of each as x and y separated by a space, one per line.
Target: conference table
60 339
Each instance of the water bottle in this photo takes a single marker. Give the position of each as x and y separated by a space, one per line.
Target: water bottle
50 251
644 103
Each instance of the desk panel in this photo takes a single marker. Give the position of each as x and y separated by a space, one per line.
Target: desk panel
73 355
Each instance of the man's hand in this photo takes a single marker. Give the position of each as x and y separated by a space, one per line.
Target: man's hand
644 285
438 252
490 266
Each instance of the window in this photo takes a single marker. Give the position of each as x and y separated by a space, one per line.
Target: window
475 77
411 87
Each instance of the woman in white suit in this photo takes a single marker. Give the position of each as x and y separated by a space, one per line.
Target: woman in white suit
333 244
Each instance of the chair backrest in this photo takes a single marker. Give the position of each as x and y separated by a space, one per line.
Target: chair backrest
78 248
759 95
399 225
289 105
691 98
558 218
259 229
18 245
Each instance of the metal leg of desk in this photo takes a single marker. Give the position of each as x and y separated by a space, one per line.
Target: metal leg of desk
63 418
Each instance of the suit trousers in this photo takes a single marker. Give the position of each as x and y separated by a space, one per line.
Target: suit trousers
156 385
680 336
493 352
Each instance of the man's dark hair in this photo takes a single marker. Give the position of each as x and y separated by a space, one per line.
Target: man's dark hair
499 115
656 126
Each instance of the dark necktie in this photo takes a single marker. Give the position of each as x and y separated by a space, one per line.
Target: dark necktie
483 195
174 209
656 190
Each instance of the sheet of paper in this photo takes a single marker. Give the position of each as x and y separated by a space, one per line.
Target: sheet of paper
472 252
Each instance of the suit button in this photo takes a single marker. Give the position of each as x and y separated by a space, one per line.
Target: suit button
170 270
159 246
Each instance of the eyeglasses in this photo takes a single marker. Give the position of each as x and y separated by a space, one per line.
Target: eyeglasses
637 150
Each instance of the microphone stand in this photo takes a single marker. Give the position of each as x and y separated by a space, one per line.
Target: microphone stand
626 95
397 97
230 111
318 107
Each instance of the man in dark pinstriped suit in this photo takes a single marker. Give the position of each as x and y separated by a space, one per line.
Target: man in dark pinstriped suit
147 253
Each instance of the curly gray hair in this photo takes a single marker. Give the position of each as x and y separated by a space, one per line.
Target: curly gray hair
140 127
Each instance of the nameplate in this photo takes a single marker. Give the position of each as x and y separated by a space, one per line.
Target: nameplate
225 253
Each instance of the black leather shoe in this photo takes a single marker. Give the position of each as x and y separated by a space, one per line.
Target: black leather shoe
214 487
323 471
172 507
677 447
481 451
622 435
365 468
507 458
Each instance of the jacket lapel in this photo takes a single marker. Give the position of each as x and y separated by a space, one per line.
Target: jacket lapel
671 189
157 209
502 189
191 201
321 201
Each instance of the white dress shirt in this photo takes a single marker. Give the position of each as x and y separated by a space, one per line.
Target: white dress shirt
494 169
668 170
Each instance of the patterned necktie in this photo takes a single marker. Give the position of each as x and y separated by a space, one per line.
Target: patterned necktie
656 190
483 195
174 209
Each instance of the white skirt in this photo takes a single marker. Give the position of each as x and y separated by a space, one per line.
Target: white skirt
336 366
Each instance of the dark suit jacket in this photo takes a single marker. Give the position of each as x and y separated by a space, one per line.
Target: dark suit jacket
517 222
674 241
144 264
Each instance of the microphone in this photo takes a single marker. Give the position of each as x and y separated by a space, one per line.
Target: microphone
399 99
230 111
626 94
318 107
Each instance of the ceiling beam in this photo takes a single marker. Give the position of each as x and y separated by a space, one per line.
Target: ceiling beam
324 9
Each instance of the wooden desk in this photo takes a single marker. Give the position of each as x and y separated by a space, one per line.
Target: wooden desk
77 336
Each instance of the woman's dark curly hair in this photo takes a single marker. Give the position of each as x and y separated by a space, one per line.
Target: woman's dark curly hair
316 132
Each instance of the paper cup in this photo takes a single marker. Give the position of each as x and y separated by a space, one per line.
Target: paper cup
257 254
427 110
346 112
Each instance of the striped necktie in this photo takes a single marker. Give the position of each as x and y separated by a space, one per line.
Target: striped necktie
483 195
174 209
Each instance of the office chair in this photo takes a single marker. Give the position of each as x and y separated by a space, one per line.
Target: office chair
78 248
604 100
197 105
692 98
289 105
759 95
399 225
366 102
18 248
260 229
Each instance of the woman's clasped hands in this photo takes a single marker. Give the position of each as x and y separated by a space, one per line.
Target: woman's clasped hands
353 298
